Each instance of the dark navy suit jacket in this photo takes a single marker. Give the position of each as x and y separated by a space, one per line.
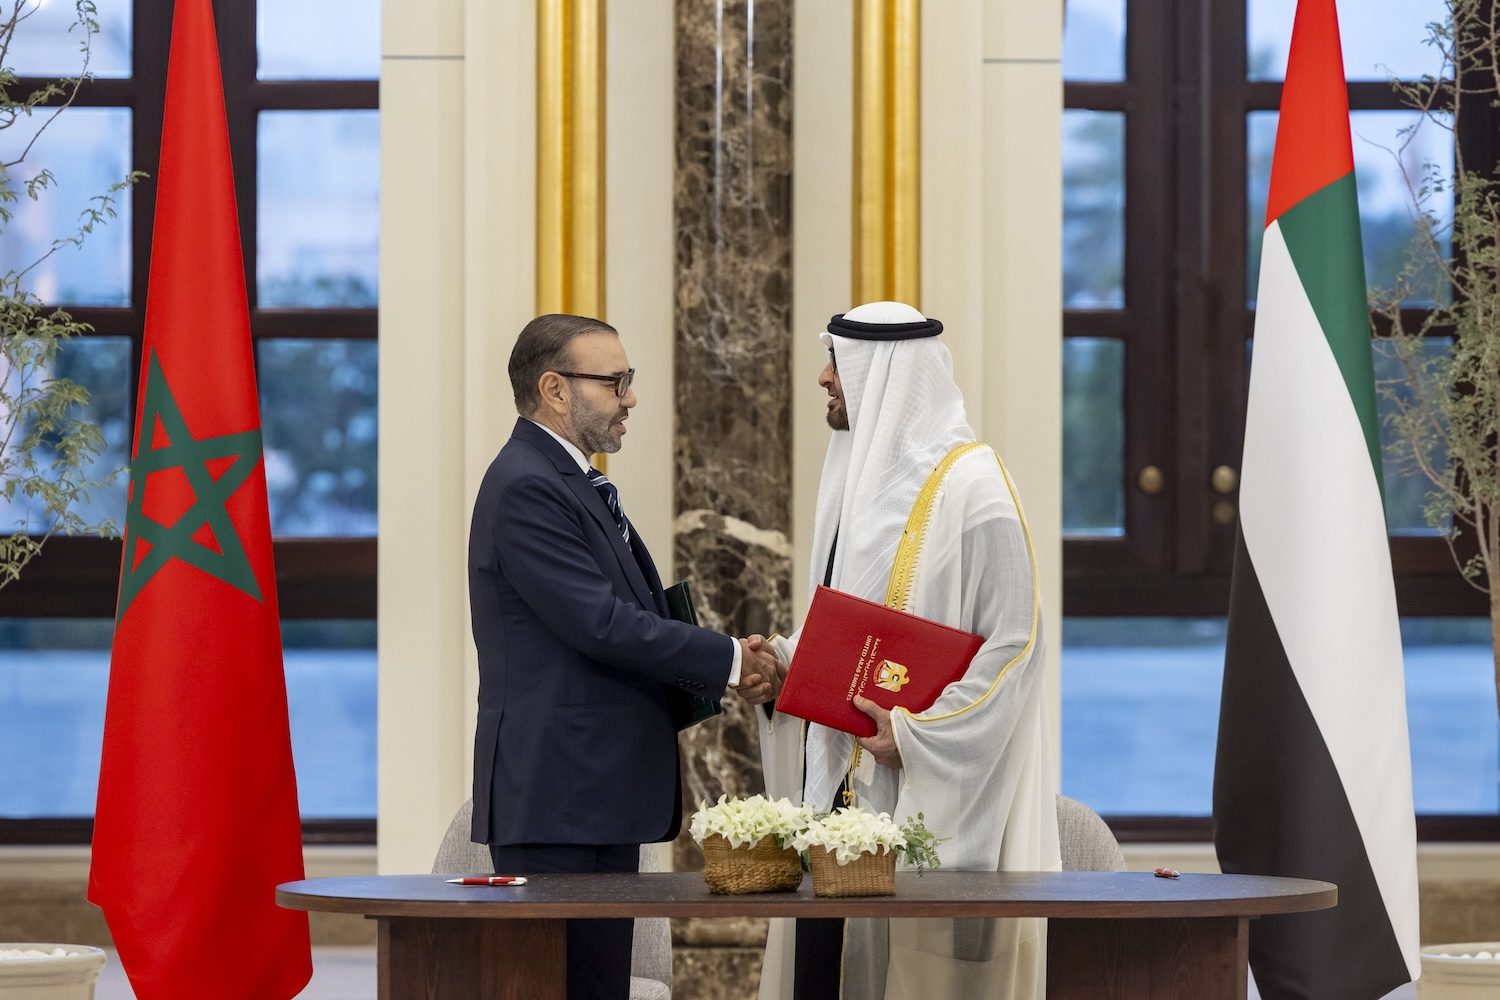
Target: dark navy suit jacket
574 743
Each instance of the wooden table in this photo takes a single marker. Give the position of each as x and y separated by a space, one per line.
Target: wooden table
1110 934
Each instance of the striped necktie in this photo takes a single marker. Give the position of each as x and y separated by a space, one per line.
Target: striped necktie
611 497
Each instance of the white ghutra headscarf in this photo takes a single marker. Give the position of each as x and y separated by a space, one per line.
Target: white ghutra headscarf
905 415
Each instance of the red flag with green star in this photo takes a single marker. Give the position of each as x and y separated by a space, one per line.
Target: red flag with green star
197 817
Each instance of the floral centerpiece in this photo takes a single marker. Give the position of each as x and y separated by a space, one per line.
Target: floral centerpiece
853 852
748 843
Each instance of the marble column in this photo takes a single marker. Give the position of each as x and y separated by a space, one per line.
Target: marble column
732 497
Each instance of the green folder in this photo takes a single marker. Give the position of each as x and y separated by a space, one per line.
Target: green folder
687 709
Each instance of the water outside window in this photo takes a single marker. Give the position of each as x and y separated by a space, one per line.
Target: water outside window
55 674
1140 712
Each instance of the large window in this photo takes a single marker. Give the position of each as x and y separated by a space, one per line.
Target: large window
301 92
1170 120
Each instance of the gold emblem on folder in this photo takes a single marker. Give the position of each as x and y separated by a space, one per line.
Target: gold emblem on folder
891 675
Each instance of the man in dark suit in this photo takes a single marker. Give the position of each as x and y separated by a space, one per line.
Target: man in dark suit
575 754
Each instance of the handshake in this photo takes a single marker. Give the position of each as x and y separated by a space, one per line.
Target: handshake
761 671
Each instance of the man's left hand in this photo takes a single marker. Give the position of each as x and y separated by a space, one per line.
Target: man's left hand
881 746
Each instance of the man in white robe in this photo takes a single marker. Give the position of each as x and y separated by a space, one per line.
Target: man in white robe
977 764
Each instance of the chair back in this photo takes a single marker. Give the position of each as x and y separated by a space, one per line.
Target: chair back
1085 840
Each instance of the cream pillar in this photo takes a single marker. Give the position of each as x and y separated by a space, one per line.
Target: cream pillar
421 597
822 242
639 254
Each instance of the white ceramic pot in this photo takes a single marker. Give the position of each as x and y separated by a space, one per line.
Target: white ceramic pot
61 977
1446 976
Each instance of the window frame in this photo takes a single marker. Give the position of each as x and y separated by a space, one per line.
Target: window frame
1186 97
322 577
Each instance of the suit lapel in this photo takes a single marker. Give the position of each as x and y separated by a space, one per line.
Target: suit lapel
594 504
653 580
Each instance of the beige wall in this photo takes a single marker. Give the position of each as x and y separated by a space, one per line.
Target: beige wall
422 430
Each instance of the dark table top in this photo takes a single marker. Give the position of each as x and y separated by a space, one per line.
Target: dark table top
935 894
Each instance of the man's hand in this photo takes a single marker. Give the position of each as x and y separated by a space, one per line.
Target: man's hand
881 746
760 674
760 642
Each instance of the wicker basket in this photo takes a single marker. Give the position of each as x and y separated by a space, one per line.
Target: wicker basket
867 875
758 867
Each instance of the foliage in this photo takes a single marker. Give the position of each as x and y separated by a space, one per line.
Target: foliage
1444 405
921 844
853 831
47 450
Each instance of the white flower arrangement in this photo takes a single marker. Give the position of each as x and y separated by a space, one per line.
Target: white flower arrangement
745 821
849 833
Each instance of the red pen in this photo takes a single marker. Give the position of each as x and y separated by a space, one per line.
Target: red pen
489 880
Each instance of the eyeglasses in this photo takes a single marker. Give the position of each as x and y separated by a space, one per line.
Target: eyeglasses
621 382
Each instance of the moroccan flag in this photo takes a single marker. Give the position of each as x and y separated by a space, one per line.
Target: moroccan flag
197 814
1313 777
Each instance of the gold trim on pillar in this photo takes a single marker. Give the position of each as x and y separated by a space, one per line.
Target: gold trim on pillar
570 157
887 151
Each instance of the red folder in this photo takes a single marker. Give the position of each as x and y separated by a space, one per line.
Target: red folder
853 646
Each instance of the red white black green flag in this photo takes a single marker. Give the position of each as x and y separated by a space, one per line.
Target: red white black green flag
1313 777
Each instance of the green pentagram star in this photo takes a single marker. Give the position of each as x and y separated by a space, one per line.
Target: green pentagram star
175 541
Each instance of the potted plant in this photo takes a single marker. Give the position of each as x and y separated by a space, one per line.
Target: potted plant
47 451
1444 403
853 852
60 971
748 844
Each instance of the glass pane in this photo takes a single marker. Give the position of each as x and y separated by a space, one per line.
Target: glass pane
1381 38
53 679
1450 708
47 42
1094 40
1093 436
319 206
1093 145
1386 204
323 40
331 683
317 400
54 676
1406 488
86 150
102 366
1128 750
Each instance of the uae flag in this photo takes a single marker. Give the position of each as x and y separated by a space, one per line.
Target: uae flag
1313 776
197 820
